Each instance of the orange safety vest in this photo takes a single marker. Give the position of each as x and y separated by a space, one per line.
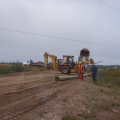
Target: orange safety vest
80 67
80 72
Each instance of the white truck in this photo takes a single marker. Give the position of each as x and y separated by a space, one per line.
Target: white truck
30 63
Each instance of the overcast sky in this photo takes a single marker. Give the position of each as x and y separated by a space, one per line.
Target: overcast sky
81 20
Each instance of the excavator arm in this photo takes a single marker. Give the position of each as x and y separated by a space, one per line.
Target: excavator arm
87 61
53 58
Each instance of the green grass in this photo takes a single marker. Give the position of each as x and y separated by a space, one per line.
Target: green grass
26 119
41 114
90 112
9 68
65 99
16 67
83 115
69 117
109 78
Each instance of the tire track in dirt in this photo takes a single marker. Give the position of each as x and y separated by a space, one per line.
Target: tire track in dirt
33 102
19 95
23 86
58 89
21 98
28 100
24 106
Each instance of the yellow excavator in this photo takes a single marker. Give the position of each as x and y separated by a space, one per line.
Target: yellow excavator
56 62
67 64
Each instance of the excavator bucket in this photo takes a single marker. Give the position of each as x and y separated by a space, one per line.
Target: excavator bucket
84 57
84 53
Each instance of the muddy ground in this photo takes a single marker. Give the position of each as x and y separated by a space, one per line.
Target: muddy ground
37 96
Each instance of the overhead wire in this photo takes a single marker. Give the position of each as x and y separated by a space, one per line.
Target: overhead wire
49 36
109 6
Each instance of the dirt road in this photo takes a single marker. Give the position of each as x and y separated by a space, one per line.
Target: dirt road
24 92
37 96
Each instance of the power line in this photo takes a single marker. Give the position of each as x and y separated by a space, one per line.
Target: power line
49 36
109 6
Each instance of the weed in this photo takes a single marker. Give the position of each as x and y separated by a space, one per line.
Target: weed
105 92
93 98
101 90
90 112
71 112
104 105
41 114
112 103
109 78
83 115
65 99
11 68
27 119
17 68
115 97
4 70
118 104
69 117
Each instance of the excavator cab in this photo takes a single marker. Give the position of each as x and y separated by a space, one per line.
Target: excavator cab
59 64
67 64
68 59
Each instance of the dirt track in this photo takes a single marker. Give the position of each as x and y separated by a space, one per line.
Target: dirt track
24 94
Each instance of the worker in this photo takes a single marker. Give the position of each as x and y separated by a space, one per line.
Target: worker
94 72
80 70
83 71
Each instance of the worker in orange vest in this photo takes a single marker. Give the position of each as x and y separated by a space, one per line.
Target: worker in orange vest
80 70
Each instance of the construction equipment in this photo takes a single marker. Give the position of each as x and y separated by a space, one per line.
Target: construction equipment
67 64
84 56
84 53
56 62
31 63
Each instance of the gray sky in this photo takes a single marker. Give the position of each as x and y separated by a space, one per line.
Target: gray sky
82 20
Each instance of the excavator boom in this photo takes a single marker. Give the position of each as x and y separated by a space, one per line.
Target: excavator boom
54 60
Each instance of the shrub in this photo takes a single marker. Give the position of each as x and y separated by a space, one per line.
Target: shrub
9 68
69 117
4 70
16 68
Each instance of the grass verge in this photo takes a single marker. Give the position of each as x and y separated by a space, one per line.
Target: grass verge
12 68
109 78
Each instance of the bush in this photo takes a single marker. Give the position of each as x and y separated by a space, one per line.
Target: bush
9 68
16 68
4 70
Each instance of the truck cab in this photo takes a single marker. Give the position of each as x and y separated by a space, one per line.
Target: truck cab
28 63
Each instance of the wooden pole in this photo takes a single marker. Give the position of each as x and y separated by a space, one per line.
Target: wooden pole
62 78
